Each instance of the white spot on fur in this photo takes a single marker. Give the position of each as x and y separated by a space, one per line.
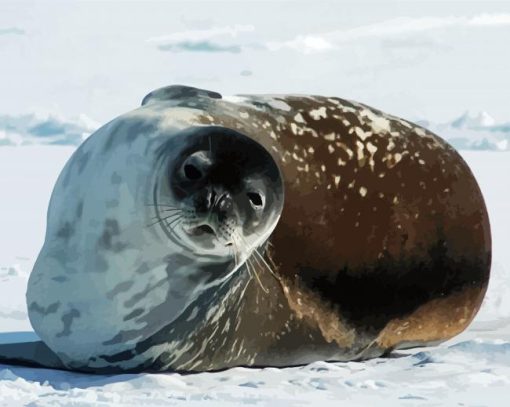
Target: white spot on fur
345 148
363 135
378 123
359 151
319 113
372 150
363 191
420 132
299 118
278 104
235 99
336 178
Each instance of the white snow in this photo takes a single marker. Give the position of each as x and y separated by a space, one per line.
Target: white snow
44 128
473 131
472 369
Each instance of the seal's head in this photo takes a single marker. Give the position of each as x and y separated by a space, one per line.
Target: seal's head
221 193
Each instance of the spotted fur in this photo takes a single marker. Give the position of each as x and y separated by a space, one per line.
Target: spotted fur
383 242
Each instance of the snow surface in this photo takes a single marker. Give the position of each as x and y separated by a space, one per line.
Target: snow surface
473 132
470 131
472 369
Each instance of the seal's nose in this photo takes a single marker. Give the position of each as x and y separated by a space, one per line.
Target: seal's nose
223 206
211 198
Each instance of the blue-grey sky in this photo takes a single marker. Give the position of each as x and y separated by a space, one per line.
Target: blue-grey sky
431 59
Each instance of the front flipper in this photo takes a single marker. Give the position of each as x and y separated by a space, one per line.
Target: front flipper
32 354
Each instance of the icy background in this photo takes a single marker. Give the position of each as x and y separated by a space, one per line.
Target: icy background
67 67
472 369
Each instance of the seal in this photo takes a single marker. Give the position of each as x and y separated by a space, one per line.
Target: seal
170 246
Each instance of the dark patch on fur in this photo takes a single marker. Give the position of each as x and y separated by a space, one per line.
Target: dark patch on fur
375 294
67 320
118 357
143 268
116 178
119 288
50 309
79 209
133 314
66 231
82 160
110 232
138 296
116 339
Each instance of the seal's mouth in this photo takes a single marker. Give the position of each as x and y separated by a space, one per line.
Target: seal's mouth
202 230
206 234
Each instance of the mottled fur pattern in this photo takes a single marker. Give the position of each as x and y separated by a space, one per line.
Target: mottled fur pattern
383 242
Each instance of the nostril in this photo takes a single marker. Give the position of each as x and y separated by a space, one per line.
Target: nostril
191 172
212 199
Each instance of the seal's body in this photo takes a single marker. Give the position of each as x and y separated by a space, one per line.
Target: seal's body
382 241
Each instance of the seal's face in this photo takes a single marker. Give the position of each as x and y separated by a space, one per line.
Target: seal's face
227 194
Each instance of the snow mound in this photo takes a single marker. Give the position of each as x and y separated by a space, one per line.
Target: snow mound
473 132
44 129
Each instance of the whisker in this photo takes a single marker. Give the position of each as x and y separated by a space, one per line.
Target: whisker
175 226
179 187
162 205
163 219
171 210
173 221
257 276
263 260
234 251
266 264
267 241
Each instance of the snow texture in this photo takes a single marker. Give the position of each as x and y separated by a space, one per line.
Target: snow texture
472 369
467 132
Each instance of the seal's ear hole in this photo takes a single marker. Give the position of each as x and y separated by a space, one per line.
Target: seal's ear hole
255 199
191 172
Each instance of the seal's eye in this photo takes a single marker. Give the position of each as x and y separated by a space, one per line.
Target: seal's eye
191 172
255 199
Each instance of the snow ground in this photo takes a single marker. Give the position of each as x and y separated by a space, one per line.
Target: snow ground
472 369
